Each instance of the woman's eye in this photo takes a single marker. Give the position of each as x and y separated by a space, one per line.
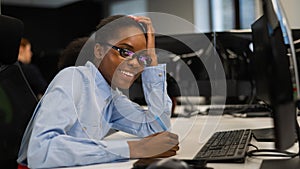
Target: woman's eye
126 53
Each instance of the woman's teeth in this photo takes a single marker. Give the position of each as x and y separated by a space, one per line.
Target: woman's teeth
127 73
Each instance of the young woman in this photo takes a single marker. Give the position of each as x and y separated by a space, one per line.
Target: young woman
83 103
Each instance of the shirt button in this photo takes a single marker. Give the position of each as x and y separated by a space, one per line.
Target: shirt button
160 74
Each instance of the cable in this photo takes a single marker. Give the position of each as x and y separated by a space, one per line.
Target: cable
252 145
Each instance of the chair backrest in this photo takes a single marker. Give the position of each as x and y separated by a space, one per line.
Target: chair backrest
17 101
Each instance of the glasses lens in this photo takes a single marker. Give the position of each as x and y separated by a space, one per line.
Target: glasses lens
144 60
125 53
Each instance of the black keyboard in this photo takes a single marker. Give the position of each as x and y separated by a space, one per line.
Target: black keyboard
226 146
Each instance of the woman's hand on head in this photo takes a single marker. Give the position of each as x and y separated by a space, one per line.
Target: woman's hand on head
146 21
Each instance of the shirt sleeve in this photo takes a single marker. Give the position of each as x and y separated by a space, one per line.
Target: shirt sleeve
132 118
53 145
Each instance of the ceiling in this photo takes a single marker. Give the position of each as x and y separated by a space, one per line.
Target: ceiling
38 3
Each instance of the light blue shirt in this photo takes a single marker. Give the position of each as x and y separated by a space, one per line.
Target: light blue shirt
77 111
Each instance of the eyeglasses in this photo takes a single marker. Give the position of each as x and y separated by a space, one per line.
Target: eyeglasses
142 57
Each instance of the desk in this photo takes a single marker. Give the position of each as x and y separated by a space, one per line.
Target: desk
193 132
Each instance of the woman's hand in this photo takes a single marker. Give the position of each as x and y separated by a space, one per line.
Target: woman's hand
164 144
146 21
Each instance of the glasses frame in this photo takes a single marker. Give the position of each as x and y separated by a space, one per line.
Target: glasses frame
121 51
143 60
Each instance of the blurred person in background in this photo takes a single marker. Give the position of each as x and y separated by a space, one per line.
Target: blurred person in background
35 78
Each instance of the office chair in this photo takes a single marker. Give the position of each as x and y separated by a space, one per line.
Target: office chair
17 100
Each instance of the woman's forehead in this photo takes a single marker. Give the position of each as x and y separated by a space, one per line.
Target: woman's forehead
128 34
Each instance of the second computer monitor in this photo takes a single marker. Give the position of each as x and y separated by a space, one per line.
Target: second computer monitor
273 74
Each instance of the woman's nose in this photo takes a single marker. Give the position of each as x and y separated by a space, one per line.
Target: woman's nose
133 62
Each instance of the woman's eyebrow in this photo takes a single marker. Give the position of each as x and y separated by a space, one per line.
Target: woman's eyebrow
127 46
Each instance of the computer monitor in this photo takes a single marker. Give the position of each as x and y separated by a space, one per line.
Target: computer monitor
275 75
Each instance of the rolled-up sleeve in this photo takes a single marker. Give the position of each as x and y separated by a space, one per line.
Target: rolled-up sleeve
131 118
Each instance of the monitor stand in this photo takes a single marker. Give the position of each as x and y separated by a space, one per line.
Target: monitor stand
293 163
264 134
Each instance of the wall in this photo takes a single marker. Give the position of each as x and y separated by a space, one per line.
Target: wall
181 15
128 7
292 11
168 16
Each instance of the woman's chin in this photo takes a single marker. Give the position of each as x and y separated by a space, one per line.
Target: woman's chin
123 84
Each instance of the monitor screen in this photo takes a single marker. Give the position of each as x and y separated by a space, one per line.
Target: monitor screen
273 70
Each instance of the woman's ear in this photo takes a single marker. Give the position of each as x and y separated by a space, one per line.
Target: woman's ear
98 51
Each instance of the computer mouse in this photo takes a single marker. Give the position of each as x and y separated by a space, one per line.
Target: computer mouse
169 163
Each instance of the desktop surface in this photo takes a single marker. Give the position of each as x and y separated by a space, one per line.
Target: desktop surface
193 133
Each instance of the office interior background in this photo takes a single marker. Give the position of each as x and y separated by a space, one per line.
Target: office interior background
51 24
